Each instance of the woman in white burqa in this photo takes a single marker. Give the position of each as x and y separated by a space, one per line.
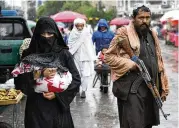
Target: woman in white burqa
82 49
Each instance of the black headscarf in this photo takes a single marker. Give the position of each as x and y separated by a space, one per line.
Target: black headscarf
40 44
43 52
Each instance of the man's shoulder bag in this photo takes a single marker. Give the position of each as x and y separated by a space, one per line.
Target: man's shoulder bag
122 86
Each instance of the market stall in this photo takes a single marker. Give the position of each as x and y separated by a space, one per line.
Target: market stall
10 98
170 31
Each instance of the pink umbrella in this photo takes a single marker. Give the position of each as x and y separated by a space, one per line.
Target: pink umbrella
67 16
119 21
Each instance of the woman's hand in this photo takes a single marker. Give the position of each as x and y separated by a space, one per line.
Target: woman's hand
49 95
49 72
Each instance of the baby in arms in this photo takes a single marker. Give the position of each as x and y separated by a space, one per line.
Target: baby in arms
59 81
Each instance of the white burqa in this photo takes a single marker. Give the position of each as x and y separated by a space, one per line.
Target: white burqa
81 47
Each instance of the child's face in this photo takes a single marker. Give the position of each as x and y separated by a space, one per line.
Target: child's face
104 50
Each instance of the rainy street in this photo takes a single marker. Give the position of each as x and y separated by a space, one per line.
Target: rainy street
99 110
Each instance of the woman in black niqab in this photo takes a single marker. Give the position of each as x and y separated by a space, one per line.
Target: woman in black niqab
40 44
41 112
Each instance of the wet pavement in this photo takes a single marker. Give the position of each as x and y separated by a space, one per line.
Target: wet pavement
99 110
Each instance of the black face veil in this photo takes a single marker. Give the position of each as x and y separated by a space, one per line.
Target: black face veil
41 44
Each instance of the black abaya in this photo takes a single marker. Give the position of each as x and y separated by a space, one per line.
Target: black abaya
41 112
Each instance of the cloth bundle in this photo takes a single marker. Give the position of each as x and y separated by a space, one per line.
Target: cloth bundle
37 62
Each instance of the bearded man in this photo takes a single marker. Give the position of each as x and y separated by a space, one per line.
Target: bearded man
136 105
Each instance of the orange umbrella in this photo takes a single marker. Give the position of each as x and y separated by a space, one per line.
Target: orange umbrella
67 16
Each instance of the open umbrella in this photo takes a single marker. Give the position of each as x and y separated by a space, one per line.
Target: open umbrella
174 14
119 21
67 16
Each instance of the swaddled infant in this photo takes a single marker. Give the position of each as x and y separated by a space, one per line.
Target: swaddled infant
58 83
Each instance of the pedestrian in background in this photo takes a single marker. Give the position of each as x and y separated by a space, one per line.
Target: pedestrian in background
81 47
64 35
48 109
102 68
103 36
137 108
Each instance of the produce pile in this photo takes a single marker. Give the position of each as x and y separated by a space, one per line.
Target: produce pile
8 94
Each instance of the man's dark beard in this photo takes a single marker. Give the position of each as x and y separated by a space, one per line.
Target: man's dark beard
142 31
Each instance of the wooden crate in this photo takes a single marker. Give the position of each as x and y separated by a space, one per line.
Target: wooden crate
12 101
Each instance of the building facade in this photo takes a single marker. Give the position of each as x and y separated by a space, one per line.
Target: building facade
156 6
106 4
26 4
